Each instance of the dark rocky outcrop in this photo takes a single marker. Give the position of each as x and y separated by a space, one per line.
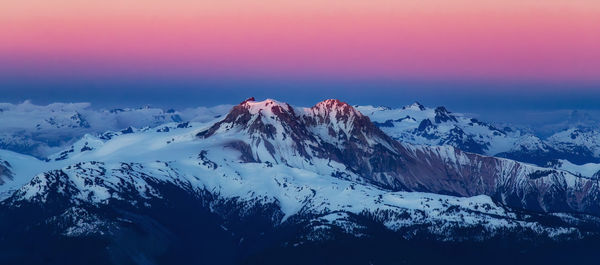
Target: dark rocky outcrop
5 172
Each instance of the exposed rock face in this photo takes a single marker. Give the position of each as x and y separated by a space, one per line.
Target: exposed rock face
354 140
272 126
331 130
443 115
335 131
164 215
5 172
447 170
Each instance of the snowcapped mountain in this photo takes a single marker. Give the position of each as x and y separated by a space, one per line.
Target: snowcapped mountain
417 124
270 179
16 170
420 125
42 130
584 142
589 170
335 139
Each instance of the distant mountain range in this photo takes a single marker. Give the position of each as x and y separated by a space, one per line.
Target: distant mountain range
417 124
43 130
269 183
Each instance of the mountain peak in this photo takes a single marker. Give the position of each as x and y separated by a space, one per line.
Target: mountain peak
443 115
256 117
334 107
254 114
441 109
250 99
264 107
332 101
415 106
337 115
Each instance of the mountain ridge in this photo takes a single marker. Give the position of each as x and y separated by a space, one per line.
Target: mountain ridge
417 124
373 156
268 175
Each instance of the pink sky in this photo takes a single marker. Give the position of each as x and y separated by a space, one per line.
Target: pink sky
550 40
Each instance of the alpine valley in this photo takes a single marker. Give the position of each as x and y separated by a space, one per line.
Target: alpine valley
264 182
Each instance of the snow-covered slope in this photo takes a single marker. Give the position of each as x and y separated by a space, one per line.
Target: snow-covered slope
330 141
340 141
42 130
589 170
334 139
420 125
16 170
577 141
132 168
417 124
296 192
269 174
